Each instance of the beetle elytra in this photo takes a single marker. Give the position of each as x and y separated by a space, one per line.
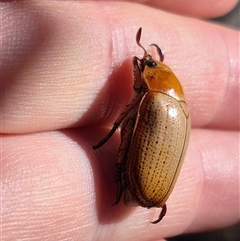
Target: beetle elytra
155 129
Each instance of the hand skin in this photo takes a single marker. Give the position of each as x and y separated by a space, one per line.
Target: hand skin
67 75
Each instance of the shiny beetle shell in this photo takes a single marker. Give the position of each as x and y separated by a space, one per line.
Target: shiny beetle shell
155 129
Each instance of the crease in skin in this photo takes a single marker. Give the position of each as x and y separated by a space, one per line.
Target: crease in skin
229 89
233 83
207 9
222 93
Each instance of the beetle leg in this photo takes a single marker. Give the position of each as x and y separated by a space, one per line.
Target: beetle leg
122 116
126 134
138 83
161 215
107 137
119 176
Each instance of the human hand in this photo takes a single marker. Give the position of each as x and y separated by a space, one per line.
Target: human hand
66 71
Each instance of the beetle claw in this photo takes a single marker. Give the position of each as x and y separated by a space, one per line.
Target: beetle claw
107 137
118 196
119 171
161 215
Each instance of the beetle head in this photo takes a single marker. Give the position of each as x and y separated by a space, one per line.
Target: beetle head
146 55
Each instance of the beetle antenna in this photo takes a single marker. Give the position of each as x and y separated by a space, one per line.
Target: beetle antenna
159 51
138 37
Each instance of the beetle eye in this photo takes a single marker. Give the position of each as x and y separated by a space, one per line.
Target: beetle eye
150 63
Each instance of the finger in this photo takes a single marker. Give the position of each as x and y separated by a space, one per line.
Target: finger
58 74
203 9
56 188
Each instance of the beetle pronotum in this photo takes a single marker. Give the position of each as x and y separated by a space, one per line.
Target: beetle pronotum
155 128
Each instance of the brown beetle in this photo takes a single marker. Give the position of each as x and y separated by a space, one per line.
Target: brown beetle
155 129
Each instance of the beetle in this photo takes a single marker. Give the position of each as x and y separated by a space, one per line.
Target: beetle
155 129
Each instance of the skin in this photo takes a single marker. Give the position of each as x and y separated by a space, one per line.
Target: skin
67 75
